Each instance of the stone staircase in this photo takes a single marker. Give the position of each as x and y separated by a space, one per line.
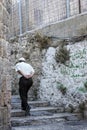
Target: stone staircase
43 116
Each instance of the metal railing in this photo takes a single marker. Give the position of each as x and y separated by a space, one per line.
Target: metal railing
32 14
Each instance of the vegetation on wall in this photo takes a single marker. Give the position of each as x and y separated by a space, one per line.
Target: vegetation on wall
42 40
82 108
84 88
62 54
85 85
26 54
62 88
15 39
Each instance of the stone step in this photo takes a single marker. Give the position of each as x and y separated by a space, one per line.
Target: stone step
71 125
52 126
40 120
35 111
33 104
41 114
15 99
41 127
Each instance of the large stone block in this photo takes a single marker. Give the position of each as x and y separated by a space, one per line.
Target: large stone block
67 28
1 50
4 122
5 18
1 12
1 28
4 49
5 92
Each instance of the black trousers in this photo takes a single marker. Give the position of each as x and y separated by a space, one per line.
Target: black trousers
24 86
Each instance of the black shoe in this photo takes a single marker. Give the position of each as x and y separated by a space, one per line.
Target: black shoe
27 111
23 109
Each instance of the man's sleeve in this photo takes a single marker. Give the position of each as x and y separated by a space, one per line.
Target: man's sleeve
33 71
17 68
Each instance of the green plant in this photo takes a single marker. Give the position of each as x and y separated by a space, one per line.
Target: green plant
62 88
35 92
82 89
85 85
82 108
43 41
15 39
26 55
62 54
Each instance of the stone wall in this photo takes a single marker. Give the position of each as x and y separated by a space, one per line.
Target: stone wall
5 86
39 13
50 74
64 84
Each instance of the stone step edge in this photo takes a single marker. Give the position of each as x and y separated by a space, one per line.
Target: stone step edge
38 127
37 109
30 118
16 98
32 102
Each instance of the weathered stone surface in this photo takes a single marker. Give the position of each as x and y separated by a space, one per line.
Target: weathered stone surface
1 14
48 72
72 76
4 119
5 19
42 13
73 125
44 64
5 86
39 115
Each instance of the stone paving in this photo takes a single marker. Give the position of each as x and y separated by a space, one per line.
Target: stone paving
44 117
79 125
75 125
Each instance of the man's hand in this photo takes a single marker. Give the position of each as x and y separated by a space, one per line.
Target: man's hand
27 76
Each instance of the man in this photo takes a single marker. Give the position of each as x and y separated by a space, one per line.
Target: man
25 72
